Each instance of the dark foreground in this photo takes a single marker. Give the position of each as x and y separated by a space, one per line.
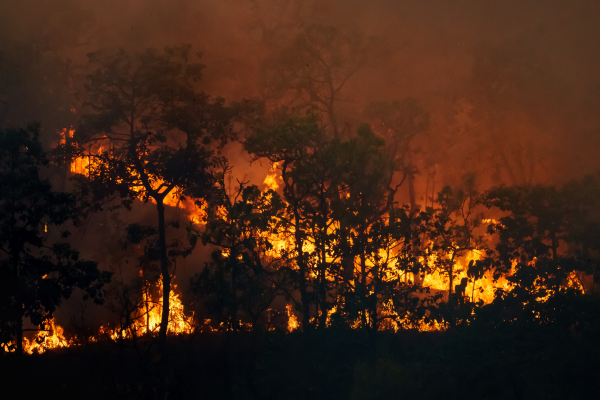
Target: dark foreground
331 364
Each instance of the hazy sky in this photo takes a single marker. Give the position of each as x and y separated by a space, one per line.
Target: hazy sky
433 48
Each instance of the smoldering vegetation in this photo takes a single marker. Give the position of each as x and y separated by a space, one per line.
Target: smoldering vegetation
461 137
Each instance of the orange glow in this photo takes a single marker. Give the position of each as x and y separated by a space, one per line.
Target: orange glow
196 214
272 179
293 323
81 165
51 338
45 340
147 318
481 289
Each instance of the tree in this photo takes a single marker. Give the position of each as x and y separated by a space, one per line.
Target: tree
312 71
245 274
362 212
336 192
547 242
382 289
37 268
150 136
312 170
512 109
399 122
247 271
452 234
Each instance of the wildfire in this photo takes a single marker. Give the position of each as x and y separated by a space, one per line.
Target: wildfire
52 338
47 339
146 319
81 165
66 133
146 322
477 289
272 179
293 323
196 214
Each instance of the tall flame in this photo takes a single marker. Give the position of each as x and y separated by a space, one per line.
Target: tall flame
147 319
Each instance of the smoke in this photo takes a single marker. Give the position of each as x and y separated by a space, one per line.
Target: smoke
512 86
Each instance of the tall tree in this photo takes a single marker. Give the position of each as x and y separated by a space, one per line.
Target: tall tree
311 73
399 122
312 170
245 274
452 234
369 223
151 135
37 267
335 191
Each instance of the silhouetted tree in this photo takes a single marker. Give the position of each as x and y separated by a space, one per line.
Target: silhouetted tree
38 268
245 274
452 231
547 244
363 212
311 72
150 135
399 122
312 166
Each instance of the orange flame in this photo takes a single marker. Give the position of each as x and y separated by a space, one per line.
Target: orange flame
147 319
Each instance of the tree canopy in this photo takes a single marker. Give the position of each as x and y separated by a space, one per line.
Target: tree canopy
149 135
37 265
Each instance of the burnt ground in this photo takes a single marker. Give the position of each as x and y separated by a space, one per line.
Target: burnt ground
330 364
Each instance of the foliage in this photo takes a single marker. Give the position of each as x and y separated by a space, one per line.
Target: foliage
150 135
544 247
311 72
39 268
341 211
398 123
246 274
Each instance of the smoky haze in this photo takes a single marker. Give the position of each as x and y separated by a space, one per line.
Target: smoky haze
539 59
512 87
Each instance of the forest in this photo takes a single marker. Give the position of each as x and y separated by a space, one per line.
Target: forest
299 204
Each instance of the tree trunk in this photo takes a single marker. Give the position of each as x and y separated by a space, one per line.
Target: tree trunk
234 305
450 279
363 287
301 271
304 296
323 262
411 193
323 290
323 275
22 380
166 277
19 301
451 275
413 209
146 304
20 332
347 257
